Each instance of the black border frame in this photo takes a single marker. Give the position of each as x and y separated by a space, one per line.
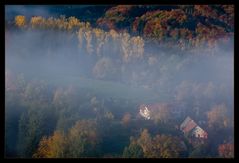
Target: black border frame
103 2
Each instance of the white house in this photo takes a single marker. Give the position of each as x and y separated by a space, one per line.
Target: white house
144 112
198 132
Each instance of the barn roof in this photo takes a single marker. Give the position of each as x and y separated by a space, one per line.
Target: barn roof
187 125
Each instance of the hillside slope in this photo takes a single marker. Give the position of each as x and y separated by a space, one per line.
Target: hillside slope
194 23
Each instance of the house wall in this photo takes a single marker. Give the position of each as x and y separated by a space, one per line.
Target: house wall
199 132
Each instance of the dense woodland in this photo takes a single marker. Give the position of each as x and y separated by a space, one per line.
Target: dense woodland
74 82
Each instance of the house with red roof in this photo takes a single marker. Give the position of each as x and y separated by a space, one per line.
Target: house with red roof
189 127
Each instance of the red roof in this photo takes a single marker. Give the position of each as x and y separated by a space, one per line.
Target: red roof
189 126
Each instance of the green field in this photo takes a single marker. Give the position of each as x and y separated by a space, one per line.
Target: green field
110 89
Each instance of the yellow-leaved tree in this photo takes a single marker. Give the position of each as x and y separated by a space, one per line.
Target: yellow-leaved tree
52 147
80 141
20 21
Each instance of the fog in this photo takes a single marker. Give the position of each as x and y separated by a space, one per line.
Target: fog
199 76
59 61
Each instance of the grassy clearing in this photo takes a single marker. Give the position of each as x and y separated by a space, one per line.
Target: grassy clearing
107 89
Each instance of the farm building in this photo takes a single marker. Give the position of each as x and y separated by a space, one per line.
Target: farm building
198 132
189 127
144 112
149 110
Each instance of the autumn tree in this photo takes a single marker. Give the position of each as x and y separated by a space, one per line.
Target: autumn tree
88 38
218 117
168 146
161 113
226 150
200 151
33 124
61 23
52 147
20 21
134 150
132 47
104 69
36 92
125 46
65 96
137 45
80 141
145 141
159 146
100 40
83 139
73 23
65 101
37 21
126 119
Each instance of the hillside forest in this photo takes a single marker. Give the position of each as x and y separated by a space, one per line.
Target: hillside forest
119 81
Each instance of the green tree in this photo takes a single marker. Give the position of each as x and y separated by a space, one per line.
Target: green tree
160 146
134 150
34 123
30 132
200 151
83 139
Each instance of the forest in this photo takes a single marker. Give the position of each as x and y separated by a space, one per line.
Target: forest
119 81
